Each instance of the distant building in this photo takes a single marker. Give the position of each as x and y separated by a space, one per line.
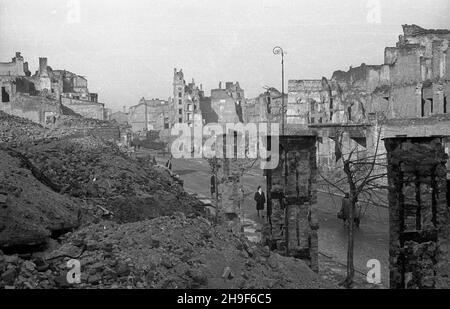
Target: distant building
413 81
186 99
26 96
120 117
264 108
151 115
227 103
56 86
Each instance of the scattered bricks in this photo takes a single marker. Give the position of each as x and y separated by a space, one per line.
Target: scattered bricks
11 259
94 279
199 277
154 243
9 276
227 273
122 269
28 265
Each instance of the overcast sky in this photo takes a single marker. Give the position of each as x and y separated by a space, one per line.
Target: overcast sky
128 49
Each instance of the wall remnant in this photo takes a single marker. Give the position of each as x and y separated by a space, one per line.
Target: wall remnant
419 213
292 190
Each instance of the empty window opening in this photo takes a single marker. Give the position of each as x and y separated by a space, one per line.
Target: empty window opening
422 109
5 95
445 105
349 109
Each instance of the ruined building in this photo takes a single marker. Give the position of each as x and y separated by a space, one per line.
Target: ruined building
413 81
226 104
186 99
154 114
24 95
41 96
264 108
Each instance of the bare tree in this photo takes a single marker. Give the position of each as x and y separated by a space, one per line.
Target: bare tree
362 180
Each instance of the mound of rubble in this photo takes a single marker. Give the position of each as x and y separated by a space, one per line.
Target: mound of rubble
93 169
30 211
166 252
19 130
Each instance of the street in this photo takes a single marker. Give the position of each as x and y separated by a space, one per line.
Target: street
371 239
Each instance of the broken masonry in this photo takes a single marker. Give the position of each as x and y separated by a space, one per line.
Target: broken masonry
419 214
292 190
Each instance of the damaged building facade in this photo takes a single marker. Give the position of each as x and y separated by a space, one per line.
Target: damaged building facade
42 96
227 102
186 99
151 115
266 107
413 81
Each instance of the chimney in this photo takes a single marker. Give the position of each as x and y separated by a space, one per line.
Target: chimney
42 66
220 85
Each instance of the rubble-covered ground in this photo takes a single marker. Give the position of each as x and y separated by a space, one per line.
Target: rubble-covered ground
129 222
29 209
166 252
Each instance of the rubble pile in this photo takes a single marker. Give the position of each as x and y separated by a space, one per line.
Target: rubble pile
91 168
166 252
17 130
152 237
30 211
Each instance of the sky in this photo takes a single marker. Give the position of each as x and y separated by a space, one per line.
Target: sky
128 49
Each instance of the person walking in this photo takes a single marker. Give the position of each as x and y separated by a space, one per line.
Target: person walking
260 200
344 213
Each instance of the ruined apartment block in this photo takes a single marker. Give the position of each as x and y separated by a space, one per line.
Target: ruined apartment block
266 107
413 81
227 103
187 97
152 115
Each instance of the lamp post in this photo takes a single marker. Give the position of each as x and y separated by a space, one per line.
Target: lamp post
277 50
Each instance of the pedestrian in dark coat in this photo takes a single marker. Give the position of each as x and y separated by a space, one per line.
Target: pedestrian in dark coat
260 200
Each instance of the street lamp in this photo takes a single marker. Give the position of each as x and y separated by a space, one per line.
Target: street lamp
277 50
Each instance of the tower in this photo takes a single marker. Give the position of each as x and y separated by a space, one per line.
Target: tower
178 95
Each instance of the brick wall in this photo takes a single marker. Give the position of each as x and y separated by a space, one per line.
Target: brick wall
291 204
419 213
86 109
34 108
